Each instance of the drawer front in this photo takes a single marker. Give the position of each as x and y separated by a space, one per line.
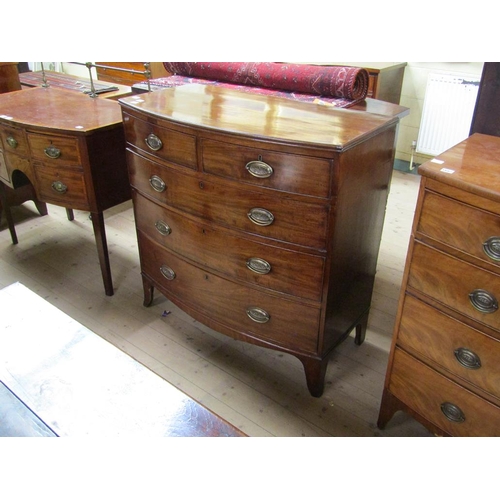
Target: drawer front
217 248
462 350
285 172
62 186
286 323
55 149
461 226
14 140
446 404
466 288
256 212
161 142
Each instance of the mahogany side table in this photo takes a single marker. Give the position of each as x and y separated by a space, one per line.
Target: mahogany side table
71 149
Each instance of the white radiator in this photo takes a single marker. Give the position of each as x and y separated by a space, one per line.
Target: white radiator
447 114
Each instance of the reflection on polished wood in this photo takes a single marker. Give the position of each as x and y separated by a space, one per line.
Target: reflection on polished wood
297 122
80 385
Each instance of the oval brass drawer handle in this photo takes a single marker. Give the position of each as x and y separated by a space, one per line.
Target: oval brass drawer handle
258 315
163 227
483 301
467 358
12 142
167 272
157 183
453 413
59 187
52 152
154 142
258 265
259 169
491 247
261 216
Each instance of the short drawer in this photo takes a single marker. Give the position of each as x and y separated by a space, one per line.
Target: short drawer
55 149
286 323
294 273
284 172
164 143
14 140
464 351
62 186
461 226
468 289
257 212
445 403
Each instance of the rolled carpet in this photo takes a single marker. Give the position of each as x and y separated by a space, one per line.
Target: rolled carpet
346 82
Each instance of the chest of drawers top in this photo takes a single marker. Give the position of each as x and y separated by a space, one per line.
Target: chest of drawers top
53 109
261 116
471 166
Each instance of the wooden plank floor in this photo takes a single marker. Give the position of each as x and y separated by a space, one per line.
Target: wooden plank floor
260 391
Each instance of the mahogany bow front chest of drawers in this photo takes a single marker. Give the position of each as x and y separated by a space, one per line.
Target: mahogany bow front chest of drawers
260 217
443 367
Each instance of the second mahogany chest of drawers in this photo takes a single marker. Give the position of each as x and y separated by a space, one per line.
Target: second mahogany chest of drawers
261 217
443 367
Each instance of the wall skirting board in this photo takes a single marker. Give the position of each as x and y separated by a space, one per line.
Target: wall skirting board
404 166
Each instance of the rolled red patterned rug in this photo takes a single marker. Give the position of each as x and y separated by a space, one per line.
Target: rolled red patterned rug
331 81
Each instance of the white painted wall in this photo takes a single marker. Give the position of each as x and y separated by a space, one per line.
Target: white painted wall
413 94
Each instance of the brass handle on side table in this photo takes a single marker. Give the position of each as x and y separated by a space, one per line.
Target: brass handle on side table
12 142
163 227
154 142
261 216
259 169
491 248
157 183
258 315
59 187
467 358
483 301
258 265
52 152
453 413
167 272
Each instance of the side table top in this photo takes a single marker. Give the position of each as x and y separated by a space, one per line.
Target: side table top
58 109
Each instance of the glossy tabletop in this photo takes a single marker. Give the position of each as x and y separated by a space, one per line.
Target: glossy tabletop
56 109
80 385
257 115
472 165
